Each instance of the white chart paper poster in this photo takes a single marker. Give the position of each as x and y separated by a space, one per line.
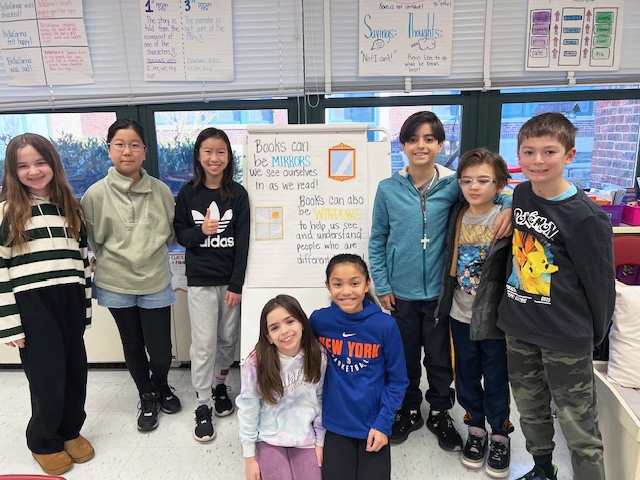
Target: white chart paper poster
574 35
44 42
187 40
308 196
405 37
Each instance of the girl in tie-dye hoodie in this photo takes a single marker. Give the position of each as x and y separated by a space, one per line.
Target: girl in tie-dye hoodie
280 404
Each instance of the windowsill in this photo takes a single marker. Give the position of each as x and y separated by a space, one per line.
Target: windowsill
624 228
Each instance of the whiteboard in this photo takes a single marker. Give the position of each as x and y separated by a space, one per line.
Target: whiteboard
276 265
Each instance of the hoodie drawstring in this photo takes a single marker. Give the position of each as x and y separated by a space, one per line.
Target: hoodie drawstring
64 228
48 229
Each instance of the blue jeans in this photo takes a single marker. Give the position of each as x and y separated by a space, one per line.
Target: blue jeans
474 360
109 299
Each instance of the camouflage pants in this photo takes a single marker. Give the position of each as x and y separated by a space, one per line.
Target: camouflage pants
538 374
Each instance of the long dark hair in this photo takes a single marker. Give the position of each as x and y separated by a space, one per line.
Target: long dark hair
267 359
198 172
355 260
18 208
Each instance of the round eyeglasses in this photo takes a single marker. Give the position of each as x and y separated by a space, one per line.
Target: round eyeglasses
481 182
120 146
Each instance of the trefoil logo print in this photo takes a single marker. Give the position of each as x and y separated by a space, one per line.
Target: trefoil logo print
214 214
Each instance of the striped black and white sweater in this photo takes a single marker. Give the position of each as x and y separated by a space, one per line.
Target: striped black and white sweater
51 257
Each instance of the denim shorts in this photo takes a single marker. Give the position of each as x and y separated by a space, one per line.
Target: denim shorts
109 299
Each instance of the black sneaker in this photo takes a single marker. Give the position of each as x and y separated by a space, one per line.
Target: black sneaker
538 474
169 403
149 409
441 425
204 431
474 451
499 457
406 422
222 402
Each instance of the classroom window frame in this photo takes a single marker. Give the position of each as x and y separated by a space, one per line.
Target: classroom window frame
119 110
147 114
480 124
497 99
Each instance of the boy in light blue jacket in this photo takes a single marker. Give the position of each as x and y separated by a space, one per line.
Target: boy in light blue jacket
406 253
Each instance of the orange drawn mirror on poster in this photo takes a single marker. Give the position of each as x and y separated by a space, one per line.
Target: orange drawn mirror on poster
342 162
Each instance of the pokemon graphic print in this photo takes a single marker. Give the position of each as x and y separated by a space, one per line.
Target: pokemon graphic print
560 288
532 265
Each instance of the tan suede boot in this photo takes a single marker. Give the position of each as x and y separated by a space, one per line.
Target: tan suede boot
79 449
54 463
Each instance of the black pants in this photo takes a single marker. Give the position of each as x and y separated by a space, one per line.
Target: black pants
55 362
475 361
148 328
419 330
345 458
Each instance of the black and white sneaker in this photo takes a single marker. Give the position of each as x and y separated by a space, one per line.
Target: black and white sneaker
441 424
499 458
169 402
406 422
148 412
222 402
204 431
474 449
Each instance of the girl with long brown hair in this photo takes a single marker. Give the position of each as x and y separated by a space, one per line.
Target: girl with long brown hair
45 297
280 404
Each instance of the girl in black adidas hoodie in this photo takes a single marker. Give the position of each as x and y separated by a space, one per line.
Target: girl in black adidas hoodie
212 222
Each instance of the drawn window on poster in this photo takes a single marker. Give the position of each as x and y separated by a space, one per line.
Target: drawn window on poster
269 223
342 162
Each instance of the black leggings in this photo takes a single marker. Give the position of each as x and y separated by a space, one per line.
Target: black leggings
345 458
150 328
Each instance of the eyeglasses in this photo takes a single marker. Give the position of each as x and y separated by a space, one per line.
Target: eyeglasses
482 182
120 146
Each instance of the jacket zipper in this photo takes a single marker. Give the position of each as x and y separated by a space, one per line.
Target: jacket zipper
423 205
133 207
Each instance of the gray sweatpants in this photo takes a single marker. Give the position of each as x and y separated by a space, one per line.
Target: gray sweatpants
214 335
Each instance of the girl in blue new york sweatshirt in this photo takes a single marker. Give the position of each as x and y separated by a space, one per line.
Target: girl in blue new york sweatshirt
366 374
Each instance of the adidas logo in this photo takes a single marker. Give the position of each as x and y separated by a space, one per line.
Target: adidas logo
218 242
214 214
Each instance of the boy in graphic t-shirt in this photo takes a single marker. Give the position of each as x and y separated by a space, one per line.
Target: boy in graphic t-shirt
474 282
559 300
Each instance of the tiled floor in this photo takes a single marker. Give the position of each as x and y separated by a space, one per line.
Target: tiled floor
171 453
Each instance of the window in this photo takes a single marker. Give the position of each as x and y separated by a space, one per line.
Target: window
79 139
528 110
606 141
392 119
575 88
176 132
